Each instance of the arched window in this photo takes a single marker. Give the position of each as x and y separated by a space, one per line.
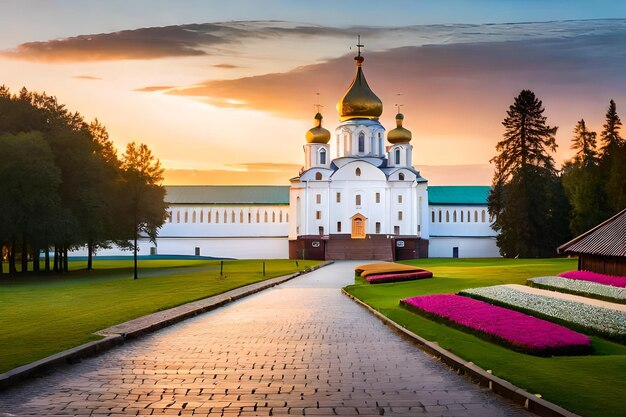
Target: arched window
358 199
265 219
469 218
475 216
447 216
361 142
322 156
240 216
217 217
232 216
169 216
397 156
454 216
193 217
249 217
280 217
482 216
433 216
357 172
401 176
186 217
201 216
258 216
178 217
273 217
439 216
461 216
318 176
225 216
208 216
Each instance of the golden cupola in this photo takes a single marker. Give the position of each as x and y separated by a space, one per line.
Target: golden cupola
318 134
399 134
359 102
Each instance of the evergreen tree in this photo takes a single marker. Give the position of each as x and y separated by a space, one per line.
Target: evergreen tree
613 162
581 182
526 201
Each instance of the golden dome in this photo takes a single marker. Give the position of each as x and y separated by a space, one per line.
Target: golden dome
359 102
317 134
399 134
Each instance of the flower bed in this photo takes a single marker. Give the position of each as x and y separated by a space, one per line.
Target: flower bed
612 280
384 268
585 317
507 327
578 287
407 276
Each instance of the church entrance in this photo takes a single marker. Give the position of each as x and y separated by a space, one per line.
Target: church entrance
358 226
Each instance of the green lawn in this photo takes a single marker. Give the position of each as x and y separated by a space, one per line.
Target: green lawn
42 315
587 385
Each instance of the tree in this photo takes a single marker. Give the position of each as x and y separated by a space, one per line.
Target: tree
143 208
525 198
581 182
29 199
613 161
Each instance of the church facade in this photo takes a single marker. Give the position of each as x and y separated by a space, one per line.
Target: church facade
358 196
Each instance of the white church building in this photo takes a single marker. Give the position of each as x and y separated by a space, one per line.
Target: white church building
357 196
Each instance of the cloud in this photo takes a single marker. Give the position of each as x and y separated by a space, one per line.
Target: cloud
217 38
226 66
86 77
154 88
449 91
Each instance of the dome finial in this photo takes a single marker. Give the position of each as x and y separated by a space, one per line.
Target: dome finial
358 58
399 134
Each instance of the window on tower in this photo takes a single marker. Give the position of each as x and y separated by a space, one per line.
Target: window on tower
361 142
318 176
322 156
397 156
401 176
357 172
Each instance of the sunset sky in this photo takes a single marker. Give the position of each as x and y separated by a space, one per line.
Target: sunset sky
223 91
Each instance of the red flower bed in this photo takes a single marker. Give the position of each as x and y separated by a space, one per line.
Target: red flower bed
513 329
407 276
612 280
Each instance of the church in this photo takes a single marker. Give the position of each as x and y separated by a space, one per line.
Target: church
357 196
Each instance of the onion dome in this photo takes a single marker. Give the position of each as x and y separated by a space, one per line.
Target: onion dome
399 134
318 134
359 102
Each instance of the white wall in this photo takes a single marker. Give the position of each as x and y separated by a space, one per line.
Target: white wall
480 247
239 248
447 226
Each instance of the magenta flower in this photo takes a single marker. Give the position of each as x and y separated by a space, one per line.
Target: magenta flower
612 280
396 277
513 329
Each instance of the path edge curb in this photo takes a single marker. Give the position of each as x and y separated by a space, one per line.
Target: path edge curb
86 350
498 385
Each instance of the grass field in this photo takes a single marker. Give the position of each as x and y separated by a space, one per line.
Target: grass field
42 315
587 385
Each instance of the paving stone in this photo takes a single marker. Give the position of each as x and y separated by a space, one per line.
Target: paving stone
301 348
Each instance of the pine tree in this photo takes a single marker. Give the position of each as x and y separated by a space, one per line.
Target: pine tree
581 181
526 199
613 162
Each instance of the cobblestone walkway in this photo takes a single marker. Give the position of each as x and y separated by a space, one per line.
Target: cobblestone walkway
300 348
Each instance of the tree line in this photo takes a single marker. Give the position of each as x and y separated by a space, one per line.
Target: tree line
537 207
63 185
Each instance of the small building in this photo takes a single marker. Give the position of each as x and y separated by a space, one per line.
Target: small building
601 249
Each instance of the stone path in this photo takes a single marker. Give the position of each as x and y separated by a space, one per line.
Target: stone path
568 297
301 348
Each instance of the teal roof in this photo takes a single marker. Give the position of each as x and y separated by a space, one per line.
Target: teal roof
227 194
461 195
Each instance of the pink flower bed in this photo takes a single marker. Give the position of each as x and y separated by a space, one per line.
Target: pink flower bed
406 276
516 330
612 280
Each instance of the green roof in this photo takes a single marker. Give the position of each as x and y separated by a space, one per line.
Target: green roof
458 194
227 194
